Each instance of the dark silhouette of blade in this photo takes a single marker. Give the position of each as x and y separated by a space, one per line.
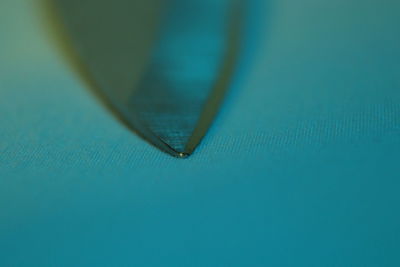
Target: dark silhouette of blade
163 65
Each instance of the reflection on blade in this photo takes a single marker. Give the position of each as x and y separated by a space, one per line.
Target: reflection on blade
162 64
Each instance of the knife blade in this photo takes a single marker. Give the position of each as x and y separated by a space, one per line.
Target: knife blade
162 65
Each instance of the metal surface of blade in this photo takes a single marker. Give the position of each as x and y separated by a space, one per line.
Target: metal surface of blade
163 65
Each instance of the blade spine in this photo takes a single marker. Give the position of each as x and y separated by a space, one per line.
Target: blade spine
216 97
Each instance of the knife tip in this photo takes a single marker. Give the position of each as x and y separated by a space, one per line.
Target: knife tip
177 153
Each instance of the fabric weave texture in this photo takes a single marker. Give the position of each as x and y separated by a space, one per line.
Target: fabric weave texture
301 167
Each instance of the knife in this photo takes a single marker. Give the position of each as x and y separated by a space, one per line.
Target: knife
162 65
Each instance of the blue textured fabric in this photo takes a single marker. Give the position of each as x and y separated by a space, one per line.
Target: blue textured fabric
301 167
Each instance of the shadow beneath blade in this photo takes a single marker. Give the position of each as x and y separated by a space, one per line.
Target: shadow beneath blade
59 35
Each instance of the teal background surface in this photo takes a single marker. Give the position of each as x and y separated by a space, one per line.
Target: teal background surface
301 168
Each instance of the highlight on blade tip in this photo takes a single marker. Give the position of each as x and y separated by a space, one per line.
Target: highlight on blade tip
174 152
183 155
